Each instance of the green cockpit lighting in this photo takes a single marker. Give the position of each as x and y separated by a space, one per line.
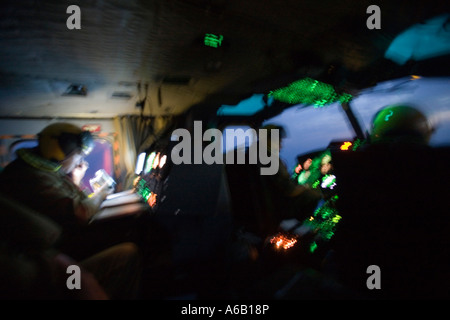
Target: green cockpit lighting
213 40
311 92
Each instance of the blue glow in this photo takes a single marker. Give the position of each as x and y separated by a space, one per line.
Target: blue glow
246 107
421 41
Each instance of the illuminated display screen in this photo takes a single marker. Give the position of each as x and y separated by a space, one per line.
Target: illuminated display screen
162 161
149 183
144 191
154 160
213 40
149 162
140 163
316 171
325 219
283 241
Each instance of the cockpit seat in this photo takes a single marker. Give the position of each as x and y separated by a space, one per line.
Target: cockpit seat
394 206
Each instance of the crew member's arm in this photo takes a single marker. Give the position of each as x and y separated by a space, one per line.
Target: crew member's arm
78 173
91 205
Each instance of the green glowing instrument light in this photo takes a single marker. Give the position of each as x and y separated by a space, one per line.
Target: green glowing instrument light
311 92
213 40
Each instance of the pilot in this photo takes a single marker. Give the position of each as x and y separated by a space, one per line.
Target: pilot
401 124
395 211
293 200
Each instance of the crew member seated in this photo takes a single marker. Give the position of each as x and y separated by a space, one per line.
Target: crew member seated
38 178
392 199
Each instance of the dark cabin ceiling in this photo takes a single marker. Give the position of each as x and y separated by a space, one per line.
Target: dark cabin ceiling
128 50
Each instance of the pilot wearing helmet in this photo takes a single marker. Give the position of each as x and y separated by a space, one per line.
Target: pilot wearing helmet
39 177
401 124
393 197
